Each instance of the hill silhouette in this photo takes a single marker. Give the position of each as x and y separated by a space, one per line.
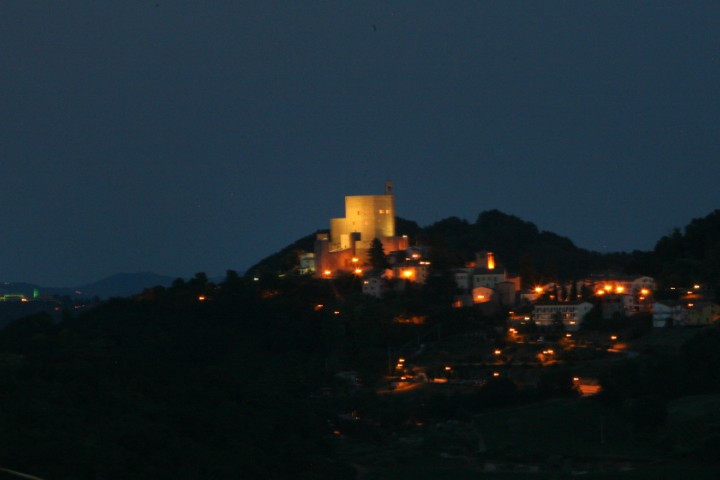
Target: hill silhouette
518 244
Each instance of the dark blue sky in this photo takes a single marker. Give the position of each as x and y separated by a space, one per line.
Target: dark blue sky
184 136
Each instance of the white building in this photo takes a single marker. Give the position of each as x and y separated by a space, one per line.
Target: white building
668 313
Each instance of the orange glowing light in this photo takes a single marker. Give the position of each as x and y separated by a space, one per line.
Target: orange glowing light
448 368
201 298
327 273
407 273
497 352
355 260
644 292
608 288
490 261
496 374
600 292
538 290
620 289
358 271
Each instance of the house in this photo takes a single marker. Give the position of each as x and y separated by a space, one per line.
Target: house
373 286
307 263
416 271
482 294
484 279
702 313
668 313
615 304
545 314
638 290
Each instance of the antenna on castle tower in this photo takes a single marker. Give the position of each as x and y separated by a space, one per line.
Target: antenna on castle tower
388 188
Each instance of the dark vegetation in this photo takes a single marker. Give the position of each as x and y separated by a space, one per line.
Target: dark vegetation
168 386
240 379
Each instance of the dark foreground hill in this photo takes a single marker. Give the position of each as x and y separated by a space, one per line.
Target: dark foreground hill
166 385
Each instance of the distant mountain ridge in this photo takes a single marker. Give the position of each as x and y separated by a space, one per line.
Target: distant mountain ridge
117 285
124 284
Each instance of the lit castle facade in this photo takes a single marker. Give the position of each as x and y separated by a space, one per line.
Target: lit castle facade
346 247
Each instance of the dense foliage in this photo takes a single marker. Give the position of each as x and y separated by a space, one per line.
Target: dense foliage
167 386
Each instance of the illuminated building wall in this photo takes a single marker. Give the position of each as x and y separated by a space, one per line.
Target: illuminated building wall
482 294
366 217
372 216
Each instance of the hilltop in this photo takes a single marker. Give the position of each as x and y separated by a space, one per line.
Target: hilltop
687 255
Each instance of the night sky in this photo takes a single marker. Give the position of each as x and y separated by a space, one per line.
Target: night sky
185 136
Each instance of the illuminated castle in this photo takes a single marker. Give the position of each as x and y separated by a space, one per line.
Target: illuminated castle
366 217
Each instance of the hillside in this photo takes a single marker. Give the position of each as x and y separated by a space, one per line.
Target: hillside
518 244
687 256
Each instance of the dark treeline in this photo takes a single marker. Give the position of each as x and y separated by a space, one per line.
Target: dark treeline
169 385
219 381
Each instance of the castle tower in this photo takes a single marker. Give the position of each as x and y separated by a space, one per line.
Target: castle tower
366 217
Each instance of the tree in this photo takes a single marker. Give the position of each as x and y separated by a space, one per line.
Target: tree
557 322
573 291
528 274
555 292
377 255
